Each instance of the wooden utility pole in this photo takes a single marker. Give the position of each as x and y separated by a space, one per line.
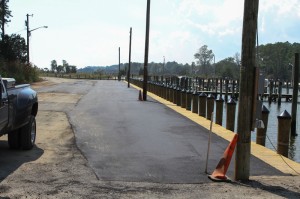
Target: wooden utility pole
146 52
295 94
129 64
119 74
28 35
3 17
247 83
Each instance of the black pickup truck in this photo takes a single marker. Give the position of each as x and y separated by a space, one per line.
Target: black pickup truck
18 109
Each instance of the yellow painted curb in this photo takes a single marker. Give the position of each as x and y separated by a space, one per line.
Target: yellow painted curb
268 156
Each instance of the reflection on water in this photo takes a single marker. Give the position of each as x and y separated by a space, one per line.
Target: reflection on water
275 110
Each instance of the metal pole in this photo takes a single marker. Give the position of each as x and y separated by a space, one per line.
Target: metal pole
129 64
146 52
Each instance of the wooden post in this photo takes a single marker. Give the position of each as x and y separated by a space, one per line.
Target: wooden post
219 110
188 100
119 73
287 87
261 133
279 92
230 115
195 102
202 104
226 89
284 122
216 89
146 52
295 95
178 97
270 91
221 88
247 71
233 89
129 63
210 106
183 98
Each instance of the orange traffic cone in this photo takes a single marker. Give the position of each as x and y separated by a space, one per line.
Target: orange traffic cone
140 96
219 173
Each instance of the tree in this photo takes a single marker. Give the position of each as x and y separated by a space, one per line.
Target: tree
275 59
53 66
60 69
227 68
204 58
66 66
13 48
5 14
73 69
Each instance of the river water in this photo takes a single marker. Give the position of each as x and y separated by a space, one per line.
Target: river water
271 140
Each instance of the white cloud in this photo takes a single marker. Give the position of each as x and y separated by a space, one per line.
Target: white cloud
219 19
280 9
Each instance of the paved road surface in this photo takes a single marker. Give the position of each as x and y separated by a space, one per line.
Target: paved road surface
128 140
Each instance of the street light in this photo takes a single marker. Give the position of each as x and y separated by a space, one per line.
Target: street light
29 34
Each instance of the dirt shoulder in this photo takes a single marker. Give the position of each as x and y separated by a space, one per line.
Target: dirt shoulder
55 168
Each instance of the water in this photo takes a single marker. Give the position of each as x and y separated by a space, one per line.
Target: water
271 140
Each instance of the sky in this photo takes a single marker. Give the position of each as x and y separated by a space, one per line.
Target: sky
90 32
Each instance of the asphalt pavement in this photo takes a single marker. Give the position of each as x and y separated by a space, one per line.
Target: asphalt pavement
125 139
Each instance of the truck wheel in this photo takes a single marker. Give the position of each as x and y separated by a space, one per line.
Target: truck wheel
14 139
28 134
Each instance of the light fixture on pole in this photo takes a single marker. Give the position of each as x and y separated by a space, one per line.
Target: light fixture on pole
29 34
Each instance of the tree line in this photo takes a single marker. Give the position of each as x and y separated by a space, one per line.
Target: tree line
64 68
13 51
274 60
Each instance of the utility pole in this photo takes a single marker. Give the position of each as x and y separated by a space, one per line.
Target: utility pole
247 90
295 95
163 72
146 52
129 64
28 35
119 74
3 17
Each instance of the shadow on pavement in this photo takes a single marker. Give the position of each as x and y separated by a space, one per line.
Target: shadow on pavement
274 189
11 160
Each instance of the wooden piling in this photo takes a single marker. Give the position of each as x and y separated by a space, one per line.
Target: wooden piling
210 106
221 88
295 95
270 91
183 98
188 100
261 132
230 116
202 104
279 92
284 123
216 87
195 102
219 110
226 89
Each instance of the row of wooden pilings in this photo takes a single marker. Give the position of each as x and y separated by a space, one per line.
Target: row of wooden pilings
203 105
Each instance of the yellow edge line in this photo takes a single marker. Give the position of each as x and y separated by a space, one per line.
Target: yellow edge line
266 155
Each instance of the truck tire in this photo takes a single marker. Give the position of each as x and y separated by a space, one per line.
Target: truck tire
14 139
28 134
